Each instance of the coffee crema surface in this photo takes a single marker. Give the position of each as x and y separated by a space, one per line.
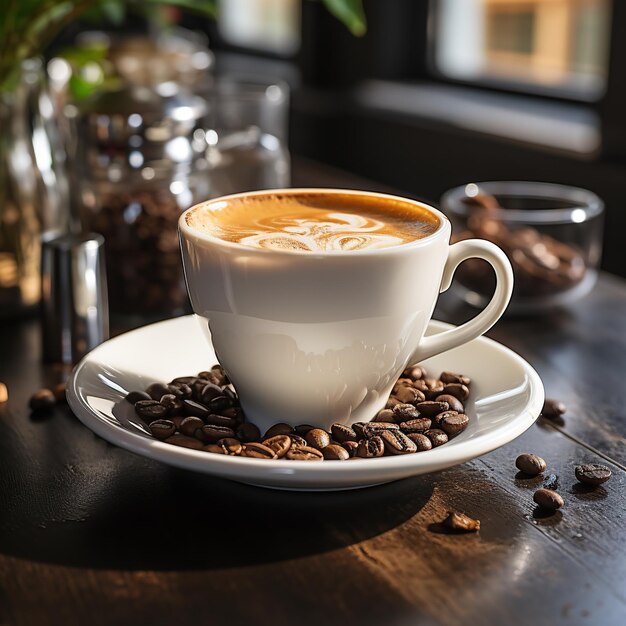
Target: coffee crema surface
314 222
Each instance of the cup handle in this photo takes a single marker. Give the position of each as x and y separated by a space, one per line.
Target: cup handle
457 253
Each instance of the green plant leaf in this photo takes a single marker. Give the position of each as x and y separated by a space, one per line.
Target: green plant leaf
350 12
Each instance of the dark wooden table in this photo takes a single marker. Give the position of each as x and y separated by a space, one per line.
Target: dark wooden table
91 534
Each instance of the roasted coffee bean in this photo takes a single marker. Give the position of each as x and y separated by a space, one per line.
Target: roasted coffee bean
190 425
396 442
231 446
460 392
530 464
134 396
430 408
235 412
548 499
440 416
460 523
172 403
177 420
401 382
385 415
342 433
592 473
392 402
150 410
419 425
218 371
248 432
197 387
302 429
414 372
304 453
58 391
335 452
351 447
317 438
437 437
454 404
453 424
365 430
371 448
212 434
409 395
157 390
553 408
162 429
184 391
214 448
184 442
279 444
296 441
434 388
209 392
278 429
191 407
451 377
421 441
183 380
219 404
405 412
42 401
420 385
221 420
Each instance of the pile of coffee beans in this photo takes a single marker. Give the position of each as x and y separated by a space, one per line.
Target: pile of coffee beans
203 413
44 400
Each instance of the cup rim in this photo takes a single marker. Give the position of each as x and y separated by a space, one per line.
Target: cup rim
585 204
191 233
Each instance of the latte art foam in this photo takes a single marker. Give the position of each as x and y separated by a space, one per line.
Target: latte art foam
310 222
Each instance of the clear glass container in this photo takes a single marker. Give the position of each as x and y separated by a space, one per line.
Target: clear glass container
551 233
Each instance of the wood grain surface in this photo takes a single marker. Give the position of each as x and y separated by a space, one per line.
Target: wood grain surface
93 535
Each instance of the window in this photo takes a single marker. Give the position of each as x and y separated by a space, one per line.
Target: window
556 45
265 25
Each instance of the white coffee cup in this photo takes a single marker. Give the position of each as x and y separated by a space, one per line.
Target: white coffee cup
321 337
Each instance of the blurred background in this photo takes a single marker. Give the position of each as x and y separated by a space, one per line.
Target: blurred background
116 116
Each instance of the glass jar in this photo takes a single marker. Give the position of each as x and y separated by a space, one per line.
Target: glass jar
551 233
141 156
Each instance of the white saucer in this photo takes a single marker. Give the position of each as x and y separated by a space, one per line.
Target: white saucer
508 396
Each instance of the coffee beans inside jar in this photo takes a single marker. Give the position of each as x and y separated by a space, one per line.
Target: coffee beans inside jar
203 413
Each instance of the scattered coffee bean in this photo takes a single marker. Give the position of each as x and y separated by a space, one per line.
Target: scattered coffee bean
592 473
304 453
150 410
460 392
257 451
278 429
191 407
371 448
351 447
317 438
460 523
279 444
405 412
419 425
42 401
342 433
184 442
430 408
335 452
302 429
231 446
548 499
157 390
396 442
58 391
212 434
453 424
190 425
248 432
421 441
530 464
450 377
437 437
454 404
553 408
162 429
4 393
